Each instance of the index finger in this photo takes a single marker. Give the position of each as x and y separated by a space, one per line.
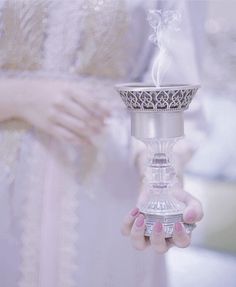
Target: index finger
129 221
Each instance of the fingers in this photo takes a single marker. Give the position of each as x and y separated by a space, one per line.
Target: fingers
129 221
180 237
193 212
78 127
63 134
137 233
160 244
158 240
134 226
74 120
94 108
75 110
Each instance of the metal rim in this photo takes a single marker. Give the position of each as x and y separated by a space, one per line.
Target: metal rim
149 87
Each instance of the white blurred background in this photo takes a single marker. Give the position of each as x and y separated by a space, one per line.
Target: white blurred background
211 174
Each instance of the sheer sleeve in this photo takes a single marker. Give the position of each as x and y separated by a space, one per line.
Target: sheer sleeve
21 38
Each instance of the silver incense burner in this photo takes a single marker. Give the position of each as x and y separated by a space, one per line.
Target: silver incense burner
157 120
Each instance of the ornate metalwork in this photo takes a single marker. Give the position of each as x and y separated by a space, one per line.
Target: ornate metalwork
141 98
168 222
153 123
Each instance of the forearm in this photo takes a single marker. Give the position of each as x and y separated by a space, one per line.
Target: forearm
11 91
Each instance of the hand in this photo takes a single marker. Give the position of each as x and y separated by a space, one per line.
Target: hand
63 110
134 226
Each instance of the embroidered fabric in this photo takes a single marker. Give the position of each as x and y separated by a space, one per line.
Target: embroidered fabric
80 41
35 43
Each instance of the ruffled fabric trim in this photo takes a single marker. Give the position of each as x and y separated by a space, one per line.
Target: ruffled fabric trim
46 178
11 134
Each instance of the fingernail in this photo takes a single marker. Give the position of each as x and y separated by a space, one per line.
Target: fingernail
178 227
135 211
140 221
158 227
190 216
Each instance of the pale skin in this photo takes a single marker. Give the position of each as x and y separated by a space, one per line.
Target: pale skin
134 227
54 107
58 109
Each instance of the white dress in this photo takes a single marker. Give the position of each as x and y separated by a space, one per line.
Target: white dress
60 206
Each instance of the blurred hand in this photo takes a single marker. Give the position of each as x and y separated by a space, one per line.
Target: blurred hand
134 227
63 110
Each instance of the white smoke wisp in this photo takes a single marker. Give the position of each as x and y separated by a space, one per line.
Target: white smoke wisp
164 24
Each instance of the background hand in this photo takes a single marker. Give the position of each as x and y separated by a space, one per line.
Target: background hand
63 110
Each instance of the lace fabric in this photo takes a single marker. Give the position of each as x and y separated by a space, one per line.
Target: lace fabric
10 140
83 41
103 36
64 23
48 226
22 34
35 42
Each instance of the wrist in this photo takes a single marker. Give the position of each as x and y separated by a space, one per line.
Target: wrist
18 109
12 99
